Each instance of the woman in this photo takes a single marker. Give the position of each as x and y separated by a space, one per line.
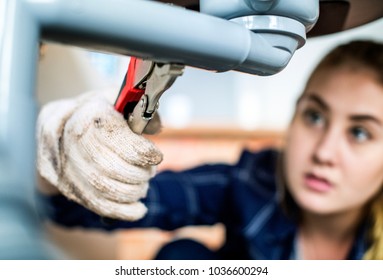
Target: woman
333 171
319 198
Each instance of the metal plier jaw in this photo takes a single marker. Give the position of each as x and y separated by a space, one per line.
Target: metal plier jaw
144 83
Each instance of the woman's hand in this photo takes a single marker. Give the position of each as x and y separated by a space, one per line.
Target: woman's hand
87 151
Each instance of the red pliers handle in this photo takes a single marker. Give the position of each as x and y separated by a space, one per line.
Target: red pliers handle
132 88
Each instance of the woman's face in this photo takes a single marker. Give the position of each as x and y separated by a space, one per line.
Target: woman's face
334 152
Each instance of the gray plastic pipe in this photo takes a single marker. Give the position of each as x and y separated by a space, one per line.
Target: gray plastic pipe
304 11
166 33
256 43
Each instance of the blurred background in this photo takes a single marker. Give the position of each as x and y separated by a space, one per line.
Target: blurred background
207 117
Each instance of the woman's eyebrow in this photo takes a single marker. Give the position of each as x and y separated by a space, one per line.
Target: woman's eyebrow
361 118
314 98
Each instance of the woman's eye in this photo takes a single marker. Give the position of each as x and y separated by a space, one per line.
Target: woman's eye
360 134
313 117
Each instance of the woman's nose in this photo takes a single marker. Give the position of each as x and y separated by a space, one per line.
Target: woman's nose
327 147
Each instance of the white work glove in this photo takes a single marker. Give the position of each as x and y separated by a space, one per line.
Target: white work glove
88 152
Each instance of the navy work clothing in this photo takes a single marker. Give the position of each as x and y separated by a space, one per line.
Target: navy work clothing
242 196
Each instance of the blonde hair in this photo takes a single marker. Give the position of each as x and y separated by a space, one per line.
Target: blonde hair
375 251
357 56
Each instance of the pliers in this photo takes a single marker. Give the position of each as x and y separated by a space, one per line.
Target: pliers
144 83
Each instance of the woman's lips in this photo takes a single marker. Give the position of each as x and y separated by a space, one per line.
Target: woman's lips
316 183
